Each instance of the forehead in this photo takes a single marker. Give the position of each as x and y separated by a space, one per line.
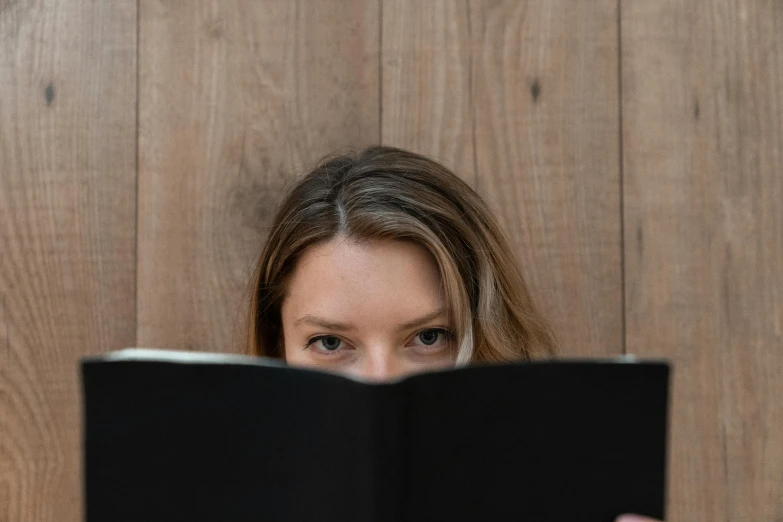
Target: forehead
375 283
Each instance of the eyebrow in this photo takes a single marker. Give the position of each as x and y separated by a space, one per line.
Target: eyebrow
337 326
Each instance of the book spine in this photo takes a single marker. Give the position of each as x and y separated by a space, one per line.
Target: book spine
388 453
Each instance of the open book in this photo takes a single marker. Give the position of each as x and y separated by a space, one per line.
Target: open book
173 436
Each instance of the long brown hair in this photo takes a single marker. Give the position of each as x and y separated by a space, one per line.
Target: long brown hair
389 193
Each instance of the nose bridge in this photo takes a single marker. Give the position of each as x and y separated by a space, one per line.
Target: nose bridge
383 361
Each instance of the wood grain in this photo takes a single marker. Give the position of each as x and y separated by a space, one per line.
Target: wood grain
702 87
547 130
426 102
67 234
236 98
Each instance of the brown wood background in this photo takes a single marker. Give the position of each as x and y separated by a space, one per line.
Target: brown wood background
631 149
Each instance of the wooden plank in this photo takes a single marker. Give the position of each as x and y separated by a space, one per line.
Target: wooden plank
67 234
702 86
547 131
235 98
426 102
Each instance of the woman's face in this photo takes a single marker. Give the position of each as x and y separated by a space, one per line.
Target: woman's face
374 310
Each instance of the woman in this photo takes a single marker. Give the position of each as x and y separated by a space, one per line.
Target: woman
386 263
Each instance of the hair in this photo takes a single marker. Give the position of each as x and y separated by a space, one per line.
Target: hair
384 192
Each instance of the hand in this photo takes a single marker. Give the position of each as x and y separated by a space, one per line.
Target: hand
635 518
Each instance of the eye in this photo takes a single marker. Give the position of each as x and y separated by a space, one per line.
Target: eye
432 337
429 337
325 343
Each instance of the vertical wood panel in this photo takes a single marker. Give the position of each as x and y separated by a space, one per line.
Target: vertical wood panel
426 104
67 234
703 133
235 98
547 131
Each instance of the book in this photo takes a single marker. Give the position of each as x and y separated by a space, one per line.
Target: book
172 436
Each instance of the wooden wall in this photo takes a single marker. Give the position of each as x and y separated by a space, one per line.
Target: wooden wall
631 149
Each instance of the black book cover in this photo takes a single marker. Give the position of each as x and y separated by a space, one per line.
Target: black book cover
174 436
